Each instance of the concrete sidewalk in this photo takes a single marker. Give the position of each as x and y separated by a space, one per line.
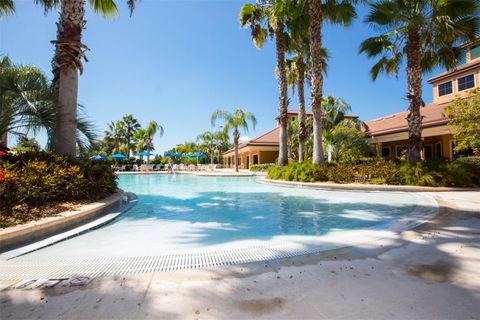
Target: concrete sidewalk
432 272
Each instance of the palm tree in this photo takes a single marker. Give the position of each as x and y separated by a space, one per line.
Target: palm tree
268 17
115 133
334 111
145 137
69 52
6 7
221 141
426 33
336 12
130 128
27 105
208 139
234 122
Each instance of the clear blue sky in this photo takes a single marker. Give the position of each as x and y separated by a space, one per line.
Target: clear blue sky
176 62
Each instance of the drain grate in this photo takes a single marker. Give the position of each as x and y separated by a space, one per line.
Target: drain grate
62 269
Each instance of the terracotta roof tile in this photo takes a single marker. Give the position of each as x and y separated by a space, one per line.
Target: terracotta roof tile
432 115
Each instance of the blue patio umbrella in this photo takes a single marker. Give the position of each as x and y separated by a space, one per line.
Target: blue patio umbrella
98 157
172 154
144 154
118 156
187 156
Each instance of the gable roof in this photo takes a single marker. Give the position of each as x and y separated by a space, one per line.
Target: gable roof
397 122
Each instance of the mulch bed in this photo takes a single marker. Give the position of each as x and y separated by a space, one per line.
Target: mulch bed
23 213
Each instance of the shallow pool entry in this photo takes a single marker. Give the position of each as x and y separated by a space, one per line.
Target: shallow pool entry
184 221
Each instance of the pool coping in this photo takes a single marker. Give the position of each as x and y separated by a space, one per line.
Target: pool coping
361 186
21 235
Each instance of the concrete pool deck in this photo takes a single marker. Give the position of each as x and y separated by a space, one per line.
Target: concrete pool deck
432 272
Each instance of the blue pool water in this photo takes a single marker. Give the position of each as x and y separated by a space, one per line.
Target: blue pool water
178 213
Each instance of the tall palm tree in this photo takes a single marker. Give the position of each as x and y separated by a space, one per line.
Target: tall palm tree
145 137
67 62
427 34
336 12
268 18
235 121
130 128
208 139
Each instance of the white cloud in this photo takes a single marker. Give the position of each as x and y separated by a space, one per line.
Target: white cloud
244 139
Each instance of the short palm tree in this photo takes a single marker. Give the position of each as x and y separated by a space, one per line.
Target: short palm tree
268 18
145 137
27 105
115 133
334 112
235 121
221 141
130 128
425 32
320 11
208 139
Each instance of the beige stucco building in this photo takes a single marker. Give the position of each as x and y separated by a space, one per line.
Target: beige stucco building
390 133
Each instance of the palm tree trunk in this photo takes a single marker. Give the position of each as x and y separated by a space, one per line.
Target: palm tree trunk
414 76
316 88
236 138
4 139
68 55
212 153
283 98
302 134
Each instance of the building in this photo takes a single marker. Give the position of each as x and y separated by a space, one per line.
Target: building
389 133
262 149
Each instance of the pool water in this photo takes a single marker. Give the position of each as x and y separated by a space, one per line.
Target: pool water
181 213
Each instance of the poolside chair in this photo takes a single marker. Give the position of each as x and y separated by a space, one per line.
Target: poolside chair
134 167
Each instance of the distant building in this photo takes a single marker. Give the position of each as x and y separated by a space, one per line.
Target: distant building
262 149
389 133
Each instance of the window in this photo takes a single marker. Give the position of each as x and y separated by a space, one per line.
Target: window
475 52
445 88
385 152
466 82
428 151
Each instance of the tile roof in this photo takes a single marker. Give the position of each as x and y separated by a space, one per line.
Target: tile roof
464 67
397 122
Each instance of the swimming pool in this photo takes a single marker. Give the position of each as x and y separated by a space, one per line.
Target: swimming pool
183 214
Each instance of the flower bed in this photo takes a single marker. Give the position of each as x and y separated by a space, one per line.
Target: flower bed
34 185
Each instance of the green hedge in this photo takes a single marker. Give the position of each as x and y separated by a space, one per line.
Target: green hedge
455 174
36 179
262 167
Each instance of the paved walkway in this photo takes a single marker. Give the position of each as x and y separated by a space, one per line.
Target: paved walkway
432 272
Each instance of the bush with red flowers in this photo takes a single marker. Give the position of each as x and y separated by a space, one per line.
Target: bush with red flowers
29 181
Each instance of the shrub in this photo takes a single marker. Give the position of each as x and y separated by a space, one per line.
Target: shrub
264 167
380 171
36 179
